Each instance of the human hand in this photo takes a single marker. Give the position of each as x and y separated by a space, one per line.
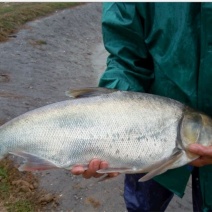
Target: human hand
93 166
204 152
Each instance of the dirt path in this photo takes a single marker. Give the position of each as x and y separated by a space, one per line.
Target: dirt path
36 67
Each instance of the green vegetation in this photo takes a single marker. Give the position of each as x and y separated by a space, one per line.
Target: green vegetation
14 15
3 172
13 197
4 185
20 206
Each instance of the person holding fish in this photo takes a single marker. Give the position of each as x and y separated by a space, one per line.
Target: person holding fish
163 49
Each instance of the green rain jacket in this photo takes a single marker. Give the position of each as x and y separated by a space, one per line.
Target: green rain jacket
164 49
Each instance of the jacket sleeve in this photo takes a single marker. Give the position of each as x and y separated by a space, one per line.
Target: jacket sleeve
129 65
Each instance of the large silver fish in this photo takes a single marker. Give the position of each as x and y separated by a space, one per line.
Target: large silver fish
134 132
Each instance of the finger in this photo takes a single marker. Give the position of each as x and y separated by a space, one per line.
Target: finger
77 170
104 165
202 161
200 150
115 174
92 168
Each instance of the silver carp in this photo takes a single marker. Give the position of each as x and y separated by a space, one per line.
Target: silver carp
134 132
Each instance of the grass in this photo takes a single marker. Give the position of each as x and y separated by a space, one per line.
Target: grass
4 185
12 199
3 172
14 15
20 206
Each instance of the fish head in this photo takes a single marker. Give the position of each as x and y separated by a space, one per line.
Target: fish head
195 128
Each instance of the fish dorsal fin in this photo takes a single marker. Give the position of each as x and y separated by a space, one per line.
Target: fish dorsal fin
88 92
176 155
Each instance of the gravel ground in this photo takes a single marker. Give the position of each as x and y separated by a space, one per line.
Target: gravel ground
46 58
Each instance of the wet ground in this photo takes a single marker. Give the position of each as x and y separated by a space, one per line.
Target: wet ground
37 66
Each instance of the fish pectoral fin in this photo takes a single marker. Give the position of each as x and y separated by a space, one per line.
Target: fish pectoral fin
163 167
106 177
33 162
112 170
88 92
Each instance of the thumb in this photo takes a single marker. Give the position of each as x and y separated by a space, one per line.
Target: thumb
200 150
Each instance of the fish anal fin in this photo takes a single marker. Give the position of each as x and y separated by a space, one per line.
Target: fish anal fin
163 167
88 92
33 162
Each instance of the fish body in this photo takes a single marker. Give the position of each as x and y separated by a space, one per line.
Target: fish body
134 132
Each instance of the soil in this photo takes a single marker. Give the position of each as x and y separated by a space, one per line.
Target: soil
37 66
